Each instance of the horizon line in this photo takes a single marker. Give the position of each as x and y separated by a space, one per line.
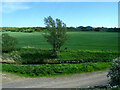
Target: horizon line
67 26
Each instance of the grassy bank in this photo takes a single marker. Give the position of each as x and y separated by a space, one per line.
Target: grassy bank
38 56
53 69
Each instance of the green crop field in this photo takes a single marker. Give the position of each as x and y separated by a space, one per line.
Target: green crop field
77 40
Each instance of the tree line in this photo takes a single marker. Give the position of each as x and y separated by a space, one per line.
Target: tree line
39 29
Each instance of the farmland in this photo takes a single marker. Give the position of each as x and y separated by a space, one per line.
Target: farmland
93 50
77 40
52 39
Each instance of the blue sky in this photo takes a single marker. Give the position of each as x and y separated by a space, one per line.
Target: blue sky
30 14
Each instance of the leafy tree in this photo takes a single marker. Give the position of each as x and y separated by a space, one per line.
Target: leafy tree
55 33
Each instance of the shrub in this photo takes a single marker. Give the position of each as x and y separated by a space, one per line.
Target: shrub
53 69
114 73
8 42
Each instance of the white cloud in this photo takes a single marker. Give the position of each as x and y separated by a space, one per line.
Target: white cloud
60 0
8 7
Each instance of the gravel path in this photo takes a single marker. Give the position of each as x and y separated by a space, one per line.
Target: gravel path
74 81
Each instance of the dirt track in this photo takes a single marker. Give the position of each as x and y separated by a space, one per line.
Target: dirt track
74 81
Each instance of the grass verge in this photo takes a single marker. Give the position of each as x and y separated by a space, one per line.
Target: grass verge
53 69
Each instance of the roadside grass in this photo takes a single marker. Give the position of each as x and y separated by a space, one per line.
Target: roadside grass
31 57
77 40
54 69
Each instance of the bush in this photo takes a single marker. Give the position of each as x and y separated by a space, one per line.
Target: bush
8 42
114 73
53 69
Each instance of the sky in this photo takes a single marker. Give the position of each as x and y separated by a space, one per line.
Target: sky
32 14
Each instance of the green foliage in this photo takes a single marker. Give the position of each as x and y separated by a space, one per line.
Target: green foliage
34 56
9 29
38 56
11 57
0 67
87 55
56 33
28 30
37 29
29 56
23 29
114 73
98 29
8 42
53 69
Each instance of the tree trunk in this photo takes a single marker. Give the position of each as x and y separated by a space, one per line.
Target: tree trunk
54 53
54 47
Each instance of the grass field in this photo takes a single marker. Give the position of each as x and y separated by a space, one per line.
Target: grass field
77 40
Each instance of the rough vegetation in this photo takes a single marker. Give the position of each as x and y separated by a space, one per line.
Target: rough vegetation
114 73
53 69
42 56
8 42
